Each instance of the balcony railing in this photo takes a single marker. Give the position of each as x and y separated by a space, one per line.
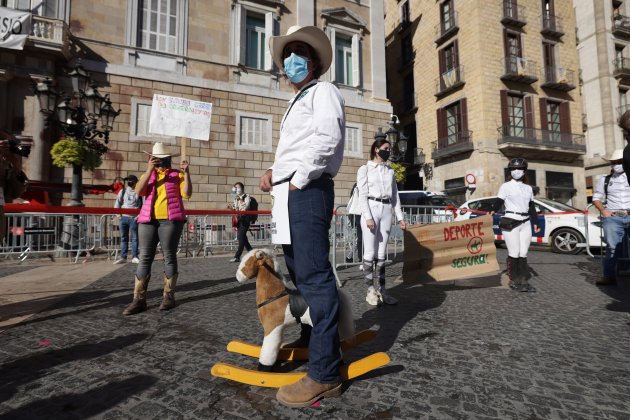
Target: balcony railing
559 78
453 144
50 34
622 109
621 67
513 14
537 137
446 28
520 69
621 25
552 25
449 80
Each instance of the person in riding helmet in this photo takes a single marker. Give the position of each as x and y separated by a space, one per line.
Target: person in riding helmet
517 196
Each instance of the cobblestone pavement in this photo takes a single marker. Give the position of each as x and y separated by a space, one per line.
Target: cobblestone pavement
457 351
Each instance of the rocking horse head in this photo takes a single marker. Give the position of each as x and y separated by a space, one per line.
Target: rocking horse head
254 262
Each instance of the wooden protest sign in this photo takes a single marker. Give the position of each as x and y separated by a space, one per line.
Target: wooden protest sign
180 117
450 251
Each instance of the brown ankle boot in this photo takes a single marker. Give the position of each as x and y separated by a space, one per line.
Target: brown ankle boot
168 301
139 303
306 391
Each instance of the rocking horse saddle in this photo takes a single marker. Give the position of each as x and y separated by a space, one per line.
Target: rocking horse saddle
297 304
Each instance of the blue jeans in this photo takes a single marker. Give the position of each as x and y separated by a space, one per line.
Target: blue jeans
128 225
614 229
310 213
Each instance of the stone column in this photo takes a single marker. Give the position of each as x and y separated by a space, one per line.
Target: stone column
306 13
377 49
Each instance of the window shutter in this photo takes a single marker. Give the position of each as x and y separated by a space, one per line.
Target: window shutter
565 118
441 124
356 61
543 114
442 61
529 112
332 72
506 43
240 36
269 26
455 54
505 118
464 109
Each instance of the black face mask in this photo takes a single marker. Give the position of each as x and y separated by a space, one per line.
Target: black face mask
165 162
384 154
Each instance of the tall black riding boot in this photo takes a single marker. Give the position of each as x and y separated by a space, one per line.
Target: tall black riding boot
512 270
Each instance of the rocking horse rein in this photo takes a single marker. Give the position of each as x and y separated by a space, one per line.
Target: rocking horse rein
281 295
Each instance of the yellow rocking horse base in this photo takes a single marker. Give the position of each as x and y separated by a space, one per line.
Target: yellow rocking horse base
276 380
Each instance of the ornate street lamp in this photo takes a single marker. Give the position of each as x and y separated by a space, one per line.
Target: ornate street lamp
78 115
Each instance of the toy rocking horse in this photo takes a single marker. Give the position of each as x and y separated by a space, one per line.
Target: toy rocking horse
279 305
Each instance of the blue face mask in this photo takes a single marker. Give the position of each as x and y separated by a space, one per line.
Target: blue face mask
296 68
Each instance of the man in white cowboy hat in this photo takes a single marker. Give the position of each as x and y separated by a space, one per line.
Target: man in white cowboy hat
614 191
309 154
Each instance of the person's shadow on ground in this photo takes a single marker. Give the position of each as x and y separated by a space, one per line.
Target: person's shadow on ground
591 271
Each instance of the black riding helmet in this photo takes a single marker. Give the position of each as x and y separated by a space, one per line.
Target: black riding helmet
517 163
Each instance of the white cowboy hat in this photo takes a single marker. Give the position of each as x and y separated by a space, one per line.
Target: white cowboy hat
310 35
616 155
160 150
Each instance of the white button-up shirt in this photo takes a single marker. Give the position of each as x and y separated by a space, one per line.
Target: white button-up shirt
312 135
377 180
618 197
516 197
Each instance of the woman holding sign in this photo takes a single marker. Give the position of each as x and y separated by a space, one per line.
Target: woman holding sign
378 195
161 219
517 197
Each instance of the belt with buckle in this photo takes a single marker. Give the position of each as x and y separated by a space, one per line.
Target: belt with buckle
621 213
380 200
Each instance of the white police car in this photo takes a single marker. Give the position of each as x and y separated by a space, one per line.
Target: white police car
561 226
426 206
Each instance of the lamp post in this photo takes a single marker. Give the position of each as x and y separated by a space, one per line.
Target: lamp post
78 115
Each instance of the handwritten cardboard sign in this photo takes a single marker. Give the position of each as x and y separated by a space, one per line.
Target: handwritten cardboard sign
450 251
180 117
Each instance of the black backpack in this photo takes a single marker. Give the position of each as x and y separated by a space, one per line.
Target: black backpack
253 206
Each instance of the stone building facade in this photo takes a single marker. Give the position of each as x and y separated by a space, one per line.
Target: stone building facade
477 82
213 51
603 32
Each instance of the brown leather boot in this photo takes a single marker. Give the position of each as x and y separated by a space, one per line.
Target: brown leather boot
168 301
306 391
139 303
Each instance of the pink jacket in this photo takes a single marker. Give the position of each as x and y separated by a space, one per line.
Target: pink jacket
174 201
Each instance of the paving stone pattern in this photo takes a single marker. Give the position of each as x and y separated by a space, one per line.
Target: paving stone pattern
457 352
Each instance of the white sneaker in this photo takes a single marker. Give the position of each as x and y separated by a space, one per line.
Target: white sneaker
120 261
234 259
372 297
135 260
361 267
386 298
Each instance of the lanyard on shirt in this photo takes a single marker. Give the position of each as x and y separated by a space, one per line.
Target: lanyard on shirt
299 96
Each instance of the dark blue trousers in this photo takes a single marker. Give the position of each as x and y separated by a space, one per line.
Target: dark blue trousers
310 213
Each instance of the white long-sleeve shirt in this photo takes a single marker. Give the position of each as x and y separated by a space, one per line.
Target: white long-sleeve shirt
618 197
312 135
377 181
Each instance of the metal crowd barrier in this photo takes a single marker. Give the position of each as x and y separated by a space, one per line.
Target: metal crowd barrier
345 228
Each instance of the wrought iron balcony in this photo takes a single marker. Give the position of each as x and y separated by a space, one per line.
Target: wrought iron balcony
50 34
559 78
621 68
552 25
449 81
535 143
622 109
453 144
519 69
513 14
621 25
446 28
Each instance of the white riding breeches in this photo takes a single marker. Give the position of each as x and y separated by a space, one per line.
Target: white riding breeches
375 240
518 240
